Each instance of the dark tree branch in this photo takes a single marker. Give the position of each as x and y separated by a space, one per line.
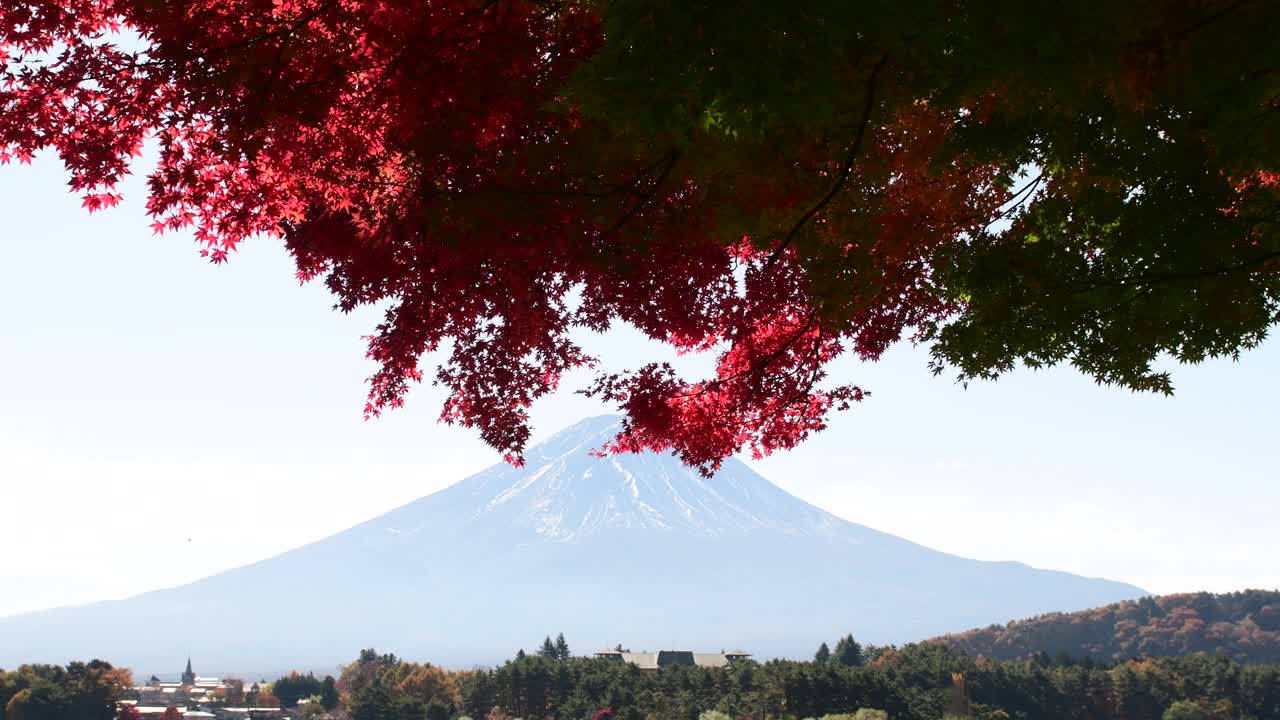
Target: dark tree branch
286 31
644 199
1154 279
845 170
760 366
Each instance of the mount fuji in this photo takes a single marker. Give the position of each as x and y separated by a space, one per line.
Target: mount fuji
637 549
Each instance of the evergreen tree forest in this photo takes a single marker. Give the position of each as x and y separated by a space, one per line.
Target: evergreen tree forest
926 681
295 687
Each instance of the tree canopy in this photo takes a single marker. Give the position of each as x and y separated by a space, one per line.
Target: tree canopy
80 690
1244 626
913 682
383 687
822 655
773 183
294 687
848 651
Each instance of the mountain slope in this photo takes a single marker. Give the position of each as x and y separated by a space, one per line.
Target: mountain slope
632 548
1244 626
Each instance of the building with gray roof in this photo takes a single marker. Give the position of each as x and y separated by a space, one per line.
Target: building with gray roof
671 658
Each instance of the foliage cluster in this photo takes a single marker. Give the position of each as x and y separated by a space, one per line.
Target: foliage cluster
259 695
384 687
778 184
1242 625
79 691
295 687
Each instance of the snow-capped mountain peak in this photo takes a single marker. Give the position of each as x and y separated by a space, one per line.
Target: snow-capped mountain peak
565 493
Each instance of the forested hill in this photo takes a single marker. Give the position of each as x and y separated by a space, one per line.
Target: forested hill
1244 626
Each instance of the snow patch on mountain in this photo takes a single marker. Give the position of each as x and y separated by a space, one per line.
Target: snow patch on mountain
567 493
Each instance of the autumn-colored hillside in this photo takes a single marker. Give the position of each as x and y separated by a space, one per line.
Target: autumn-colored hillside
1244 626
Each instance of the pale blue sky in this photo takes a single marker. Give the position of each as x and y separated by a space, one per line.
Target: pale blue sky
162 419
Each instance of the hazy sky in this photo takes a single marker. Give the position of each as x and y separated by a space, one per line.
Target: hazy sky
162 419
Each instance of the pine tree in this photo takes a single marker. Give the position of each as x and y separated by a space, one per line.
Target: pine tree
823 656
329 693
848 651
437 710
373 702
548 649
562 647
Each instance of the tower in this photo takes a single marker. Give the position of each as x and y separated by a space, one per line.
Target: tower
188 677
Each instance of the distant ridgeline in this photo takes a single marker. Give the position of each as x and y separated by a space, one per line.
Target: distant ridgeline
1244 626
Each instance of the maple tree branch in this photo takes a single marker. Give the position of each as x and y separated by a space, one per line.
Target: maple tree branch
300 23
768 359
801 392
136 64
1143 291
1214 17
1153 279
760 365
1018 200
667 161
671 159
814 370
845 171
465 17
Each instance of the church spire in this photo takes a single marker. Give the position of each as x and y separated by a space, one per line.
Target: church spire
188 676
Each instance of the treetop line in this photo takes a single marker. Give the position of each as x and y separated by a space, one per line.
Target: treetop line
777 185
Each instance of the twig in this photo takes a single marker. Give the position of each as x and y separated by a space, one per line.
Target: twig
845 171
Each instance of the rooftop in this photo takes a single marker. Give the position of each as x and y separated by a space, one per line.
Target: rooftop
667 658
